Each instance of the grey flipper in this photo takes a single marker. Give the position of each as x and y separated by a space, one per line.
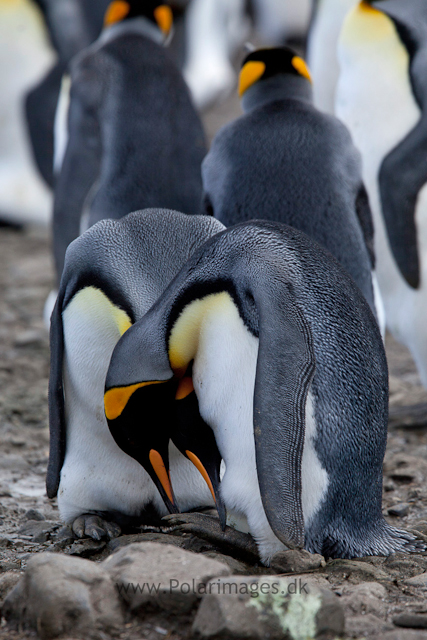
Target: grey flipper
404 169
284 337
56 403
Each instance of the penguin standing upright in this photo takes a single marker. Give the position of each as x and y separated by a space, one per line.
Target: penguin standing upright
134 138
328 17
73 25
284 160
382 97
289 370
113 274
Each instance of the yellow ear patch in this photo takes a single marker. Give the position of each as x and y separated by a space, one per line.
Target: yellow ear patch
185 334
250 73
366 24
300 66
116 399
116 11
164 18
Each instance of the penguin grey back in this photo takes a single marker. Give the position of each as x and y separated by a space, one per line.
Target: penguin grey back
284 160
135 140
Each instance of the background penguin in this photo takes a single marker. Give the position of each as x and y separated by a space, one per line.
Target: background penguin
290 373
382 97
284 160
73 25
134 138
113 274
328 17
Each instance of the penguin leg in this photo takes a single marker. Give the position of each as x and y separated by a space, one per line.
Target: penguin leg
208 528
95 527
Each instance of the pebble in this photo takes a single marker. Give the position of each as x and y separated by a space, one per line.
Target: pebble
60 595
411 621
294 561
267 607
148 574
399 510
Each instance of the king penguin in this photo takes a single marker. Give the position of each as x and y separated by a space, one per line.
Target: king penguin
326 23
72 25
134 137
113 273
382 97
284 160
289 370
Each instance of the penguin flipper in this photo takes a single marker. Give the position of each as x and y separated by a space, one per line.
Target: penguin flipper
402 175
57 432
285 369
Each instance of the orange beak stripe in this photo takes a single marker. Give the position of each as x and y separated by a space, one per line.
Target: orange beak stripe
116 11
185 387
160 471
116 399
200 468
164 18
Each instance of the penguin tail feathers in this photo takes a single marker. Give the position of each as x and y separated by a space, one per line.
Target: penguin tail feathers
381 540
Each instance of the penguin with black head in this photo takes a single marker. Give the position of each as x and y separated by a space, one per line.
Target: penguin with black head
284 160
113 274
289 370
134 137
382 98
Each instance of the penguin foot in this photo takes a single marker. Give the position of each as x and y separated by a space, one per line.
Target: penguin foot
95 527
232 542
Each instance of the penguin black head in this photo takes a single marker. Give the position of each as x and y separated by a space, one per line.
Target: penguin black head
157 12
262 64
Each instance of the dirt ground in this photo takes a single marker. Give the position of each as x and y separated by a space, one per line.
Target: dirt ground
26 278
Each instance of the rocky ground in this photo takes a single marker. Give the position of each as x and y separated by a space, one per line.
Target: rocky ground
382 598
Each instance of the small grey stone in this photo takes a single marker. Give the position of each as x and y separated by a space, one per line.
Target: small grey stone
38 530
30 337
295 561
411 621
267 607
364 598
365 625
418 581
7 581
399 510
6 543
33 514
59 595
162 538
86 548
356 571
236 566
404 565
148 574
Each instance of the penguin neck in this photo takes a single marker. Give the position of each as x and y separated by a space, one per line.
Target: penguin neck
139 26
276 88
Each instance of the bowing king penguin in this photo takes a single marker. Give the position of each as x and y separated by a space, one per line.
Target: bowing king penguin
113 273
284 160
134 138
382 97
289 370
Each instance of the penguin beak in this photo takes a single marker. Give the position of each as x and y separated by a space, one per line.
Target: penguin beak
124 406
164 18
196 441
116 11
251 72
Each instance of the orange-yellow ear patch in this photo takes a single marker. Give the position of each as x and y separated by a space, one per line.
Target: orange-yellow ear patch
250 73
116 11
116 399
164 18
365 6
300 66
